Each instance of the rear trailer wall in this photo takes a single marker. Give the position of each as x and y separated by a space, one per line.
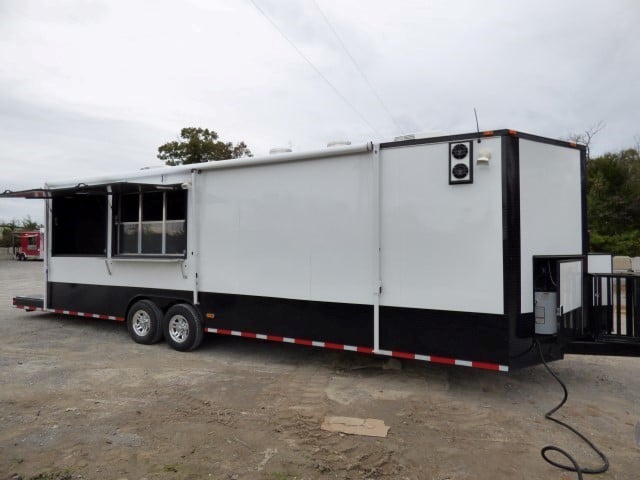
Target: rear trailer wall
552 230
550 207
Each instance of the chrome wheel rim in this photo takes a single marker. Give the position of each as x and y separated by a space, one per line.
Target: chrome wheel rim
178 328
141 323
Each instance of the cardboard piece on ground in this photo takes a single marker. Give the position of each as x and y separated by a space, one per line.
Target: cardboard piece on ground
355 426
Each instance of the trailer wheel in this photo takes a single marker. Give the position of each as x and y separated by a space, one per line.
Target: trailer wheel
144 322
183 327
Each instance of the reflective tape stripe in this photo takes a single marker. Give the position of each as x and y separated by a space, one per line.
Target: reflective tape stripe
301 341
352 348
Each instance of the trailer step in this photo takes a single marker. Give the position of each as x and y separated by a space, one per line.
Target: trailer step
72 313
29 302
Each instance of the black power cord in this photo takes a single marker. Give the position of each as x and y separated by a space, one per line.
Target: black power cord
574 467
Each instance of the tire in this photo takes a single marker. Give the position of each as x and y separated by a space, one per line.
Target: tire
183 328
144 322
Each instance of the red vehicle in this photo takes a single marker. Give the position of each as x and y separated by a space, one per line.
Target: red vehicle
30 245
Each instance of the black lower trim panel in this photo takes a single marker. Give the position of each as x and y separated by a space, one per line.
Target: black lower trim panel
107 300
467 336
459 335
346 323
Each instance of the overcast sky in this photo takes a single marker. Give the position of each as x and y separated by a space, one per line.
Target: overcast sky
93 87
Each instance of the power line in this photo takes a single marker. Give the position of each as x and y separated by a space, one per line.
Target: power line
355 64
320 74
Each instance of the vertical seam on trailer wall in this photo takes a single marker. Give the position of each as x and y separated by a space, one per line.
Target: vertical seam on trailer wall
194 234
109 222
140 210
163 247
377 245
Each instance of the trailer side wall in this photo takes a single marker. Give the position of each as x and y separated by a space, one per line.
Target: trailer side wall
300 230
441 243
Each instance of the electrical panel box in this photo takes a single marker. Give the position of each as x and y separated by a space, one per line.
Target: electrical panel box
546 309
460 162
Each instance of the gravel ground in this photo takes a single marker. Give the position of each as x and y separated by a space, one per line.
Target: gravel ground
79 399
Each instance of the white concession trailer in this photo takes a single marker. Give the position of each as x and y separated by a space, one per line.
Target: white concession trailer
455 249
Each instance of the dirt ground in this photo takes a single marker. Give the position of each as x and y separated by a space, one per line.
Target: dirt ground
79 399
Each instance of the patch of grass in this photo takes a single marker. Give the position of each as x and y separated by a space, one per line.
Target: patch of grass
170 467
54 475
17 460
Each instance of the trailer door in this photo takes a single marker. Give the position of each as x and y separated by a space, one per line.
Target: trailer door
570 281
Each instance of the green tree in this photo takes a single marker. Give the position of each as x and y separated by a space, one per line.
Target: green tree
29 224
200 145
613 200
6 234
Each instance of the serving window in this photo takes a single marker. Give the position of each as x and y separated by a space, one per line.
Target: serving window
150 223
79 225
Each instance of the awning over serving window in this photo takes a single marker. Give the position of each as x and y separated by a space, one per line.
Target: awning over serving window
84 189
34 193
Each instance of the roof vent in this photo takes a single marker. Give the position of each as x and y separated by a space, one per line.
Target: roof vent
411 136
338 143
416 136
277 150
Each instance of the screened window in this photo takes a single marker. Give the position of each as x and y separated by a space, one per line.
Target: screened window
150 223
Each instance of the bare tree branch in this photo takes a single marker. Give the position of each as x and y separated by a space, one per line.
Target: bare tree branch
586 137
